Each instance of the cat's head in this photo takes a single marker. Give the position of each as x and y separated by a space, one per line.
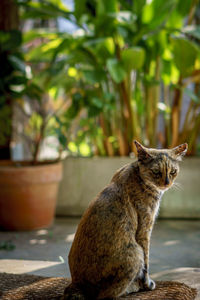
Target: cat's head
159 167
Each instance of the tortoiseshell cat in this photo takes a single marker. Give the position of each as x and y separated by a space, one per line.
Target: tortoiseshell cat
109 256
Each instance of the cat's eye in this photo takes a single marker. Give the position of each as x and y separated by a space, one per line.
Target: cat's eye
173 172
155 172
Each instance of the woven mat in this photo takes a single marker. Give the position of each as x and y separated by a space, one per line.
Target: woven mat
31 287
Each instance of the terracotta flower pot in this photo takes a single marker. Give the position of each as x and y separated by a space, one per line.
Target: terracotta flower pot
28 195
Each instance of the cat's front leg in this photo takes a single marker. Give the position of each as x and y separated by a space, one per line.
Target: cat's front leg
143 239
147 282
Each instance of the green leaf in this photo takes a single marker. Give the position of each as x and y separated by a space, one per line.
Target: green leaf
10 40
73 110
166 71
138 6
175 20
192 95
17 80
83 8
93 111
147 13
183 7
116 70
97 102
156 13
185 53
94 76
17 63
34 91
106 47
38 33
45 10
5 123
133 58
103 48
105 6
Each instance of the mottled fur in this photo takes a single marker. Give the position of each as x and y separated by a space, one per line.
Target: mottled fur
110 253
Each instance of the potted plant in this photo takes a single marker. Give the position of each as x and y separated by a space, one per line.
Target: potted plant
130 76
28 189
131 71
124 80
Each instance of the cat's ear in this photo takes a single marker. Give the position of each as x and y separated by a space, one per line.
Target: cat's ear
179 151
142 152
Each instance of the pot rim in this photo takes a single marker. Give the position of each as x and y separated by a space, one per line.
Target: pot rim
27 163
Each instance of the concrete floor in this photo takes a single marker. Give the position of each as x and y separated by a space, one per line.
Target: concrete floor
174 244
174 255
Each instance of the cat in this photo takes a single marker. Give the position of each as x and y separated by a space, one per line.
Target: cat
109 256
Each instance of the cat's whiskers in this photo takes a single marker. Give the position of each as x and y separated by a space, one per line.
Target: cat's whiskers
177 186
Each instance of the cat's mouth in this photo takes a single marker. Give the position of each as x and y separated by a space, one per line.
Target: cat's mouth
165 187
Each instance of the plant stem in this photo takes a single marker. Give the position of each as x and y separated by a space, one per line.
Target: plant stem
192 11
167 119
155 102
108 145
176 107
194 135
38 143
126 106
149 113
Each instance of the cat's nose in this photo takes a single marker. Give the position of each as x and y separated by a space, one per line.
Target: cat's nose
166 180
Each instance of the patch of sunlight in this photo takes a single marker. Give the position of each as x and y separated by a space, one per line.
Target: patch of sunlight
152 68
171 243
52 44
61 259
174 74
70 237
42 242
72 72
110 45
147 13
171 272
53 92
17 88
112 139
33 242
29 74
39 242
197 63
42 232
163 107
167 55
72 147
20 266
84 149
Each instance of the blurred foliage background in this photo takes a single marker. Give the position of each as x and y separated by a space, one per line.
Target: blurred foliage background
129 70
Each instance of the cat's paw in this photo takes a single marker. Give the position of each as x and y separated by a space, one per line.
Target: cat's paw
151 285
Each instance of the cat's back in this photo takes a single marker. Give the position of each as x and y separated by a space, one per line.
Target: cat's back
104 213
107 226
110 207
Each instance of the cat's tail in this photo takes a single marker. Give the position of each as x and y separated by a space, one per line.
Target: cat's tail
73 292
